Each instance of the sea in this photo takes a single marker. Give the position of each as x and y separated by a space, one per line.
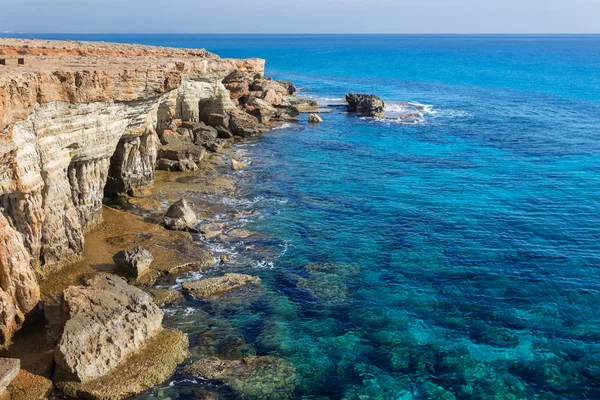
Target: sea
448 251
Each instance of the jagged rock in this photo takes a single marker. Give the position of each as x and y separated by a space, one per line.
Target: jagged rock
174 137
265 84
315 119
133 263
105 322
260 109
19 290
243 124
184 157
218 120
238 165
210 230
28 386
9 369
181 217
250 377
150 366
367 105
291 88
223 133
215 287
215 145
165 297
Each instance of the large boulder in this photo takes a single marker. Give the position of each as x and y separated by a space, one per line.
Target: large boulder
105 322
19 290
252 377
367 105
179 156
9 369
218 120
260 108
315 118
243 124
133 263
181 217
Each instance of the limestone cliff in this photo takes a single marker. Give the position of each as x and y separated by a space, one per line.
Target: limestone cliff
74 127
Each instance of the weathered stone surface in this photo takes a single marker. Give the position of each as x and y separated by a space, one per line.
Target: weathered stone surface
19 290
223 133
243 124
180 156
28 386
367 105
210 230
214 287
133 263
315 119
151 365
291 88
9 369
165 297
238 165
104 322
181 217
250 377
218 120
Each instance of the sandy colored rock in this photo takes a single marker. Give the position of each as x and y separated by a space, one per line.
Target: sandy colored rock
106 321
9 369
181 217
315 119
19 290
151 365
238 165
214 287
243 124
165 297
133 263
251 377
28 386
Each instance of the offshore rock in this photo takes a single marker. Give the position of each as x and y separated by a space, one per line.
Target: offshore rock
19 290
9 369
105 322
180 217
251 377
212 288
315 119
243 124
133 263
367 105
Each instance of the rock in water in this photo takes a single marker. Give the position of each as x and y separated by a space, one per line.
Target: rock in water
251 377
367 105
315 119
215 287
106 321
237 165
133 263
181 217
9 369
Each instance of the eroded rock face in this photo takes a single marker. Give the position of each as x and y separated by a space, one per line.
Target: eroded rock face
250 377
104 322
243 124
181 217
9 369
367 105
215 287
19 290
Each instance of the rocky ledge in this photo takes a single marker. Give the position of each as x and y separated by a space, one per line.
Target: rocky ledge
82 122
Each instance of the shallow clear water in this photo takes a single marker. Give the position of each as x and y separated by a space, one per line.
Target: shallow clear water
470 240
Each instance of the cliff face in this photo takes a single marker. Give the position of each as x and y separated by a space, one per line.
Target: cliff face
72 135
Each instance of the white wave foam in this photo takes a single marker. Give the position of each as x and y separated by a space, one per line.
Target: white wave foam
284 126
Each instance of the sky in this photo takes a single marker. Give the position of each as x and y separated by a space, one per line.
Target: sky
301 16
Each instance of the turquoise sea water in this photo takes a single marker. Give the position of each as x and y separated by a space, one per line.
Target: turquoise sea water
460 254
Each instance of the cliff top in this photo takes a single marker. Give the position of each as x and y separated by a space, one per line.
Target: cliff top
68 55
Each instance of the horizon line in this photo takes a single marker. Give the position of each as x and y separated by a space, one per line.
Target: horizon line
311 33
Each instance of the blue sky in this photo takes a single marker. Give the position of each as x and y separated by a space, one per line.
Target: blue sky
301 16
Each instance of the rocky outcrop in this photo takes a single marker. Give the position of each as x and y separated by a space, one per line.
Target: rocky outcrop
180 217
315 119
133 263
9 369
19 290
367 105
105 322
215 287
250 377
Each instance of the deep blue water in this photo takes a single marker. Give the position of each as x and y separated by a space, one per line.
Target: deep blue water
463 250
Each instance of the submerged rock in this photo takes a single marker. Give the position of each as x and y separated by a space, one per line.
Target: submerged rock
238 165
180 217
251 377
328 282
9 369
211 288
105 322
210 230
133 263
367 105
315 119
